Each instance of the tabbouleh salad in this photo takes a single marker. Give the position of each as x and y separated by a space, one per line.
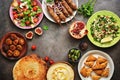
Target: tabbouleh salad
104 28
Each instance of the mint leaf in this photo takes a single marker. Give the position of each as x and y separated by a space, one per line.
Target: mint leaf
45 27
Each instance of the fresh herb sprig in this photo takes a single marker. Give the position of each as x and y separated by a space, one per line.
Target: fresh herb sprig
87 9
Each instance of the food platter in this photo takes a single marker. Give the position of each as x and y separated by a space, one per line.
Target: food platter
92 18
40 17
44 8
56 44
96 53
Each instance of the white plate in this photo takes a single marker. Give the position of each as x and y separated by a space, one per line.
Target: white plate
96 53
44 8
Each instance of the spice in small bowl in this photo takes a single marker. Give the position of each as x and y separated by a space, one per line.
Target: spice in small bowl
74 55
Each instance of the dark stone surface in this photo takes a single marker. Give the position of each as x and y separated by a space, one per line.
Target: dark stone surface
56 41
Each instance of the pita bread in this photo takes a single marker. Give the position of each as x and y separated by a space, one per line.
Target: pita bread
30 68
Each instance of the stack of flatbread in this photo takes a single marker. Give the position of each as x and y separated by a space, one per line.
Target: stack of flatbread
98 66
30 68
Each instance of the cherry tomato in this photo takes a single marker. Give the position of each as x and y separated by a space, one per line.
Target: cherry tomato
19 3
35 8
46 58
15 16
27 22
33 47
35 20
38 14
34 3
51 62
14 12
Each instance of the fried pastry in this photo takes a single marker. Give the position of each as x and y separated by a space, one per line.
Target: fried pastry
89 64
99 72
101 60
89 70
91 58
85 71
95 77
103 65
99 66
105 72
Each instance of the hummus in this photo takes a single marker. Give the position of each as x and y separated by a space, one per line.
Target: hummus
60 71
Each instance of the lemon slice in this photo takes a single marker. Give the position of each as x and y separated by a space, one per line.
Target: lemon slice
107 39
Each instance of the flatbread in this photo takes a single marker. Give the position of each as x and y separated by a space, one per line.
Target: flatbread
30 68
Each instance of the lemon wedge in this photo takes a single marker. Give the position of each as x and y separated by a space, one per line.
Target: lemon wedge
106 39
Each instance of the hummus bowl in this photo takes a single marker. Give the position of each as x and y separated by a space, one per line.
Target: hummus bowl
60 71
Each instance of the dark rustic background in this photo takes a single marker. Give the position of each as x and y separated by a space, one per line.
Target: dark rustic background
56 41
